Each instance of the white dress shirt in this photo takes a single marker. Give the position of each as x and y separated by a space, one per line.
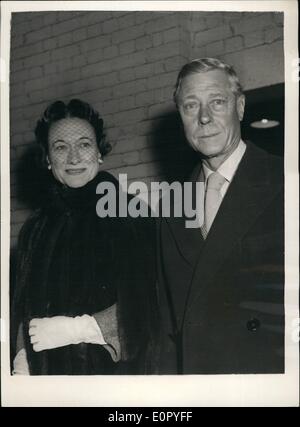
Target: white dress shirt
227 169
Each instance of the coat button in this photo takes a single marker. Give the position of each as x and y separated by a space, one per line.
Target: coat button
253 325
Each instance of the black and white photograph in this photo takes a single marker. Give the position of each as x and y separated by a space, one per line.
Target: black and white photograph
149 203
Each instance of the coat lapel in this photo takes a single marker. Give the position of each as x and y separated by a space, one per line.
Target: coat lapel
189 240
247 197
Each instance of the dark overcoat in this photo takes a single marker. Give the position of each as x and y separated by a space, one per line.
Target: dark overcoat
222 299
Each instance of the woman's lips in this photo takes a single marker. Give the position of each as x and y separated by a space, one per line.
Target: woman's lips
75 171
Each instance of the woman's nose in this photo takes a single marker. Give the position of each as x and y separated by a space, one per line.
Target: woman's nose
73 157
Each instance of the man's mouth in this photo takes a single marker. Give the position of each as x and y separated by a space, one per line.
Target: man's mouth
75 171
208 136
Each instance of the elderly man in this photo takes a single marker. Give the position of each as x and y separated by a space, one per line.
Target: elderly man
221 286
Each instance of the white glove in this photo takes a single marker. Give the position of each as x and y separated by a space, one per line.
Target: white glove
20 363
58 331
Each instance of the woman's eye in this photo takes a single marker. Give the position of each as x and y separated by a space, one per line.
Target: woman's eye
85 145
60 147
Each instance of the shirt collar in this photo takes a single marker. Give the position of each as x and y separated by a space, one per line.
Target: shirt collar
228 168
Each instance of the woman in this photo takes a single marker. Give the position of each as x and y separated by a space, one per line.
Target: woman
84 304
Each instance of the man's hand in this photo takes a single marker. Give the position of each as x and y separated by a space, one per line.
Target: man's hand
53 332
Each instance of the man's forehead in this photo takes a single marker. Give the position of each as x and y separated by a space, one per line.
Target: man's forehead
209 81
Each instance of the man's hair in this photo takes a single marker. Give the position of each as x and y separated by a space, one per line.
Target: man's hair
59 110
203 65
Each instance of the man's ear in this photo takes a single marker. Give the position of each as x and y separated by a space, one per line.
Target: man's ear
240 105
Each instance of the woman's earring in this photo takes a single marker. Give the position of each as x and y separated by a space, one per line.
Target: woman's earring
100 160
49 166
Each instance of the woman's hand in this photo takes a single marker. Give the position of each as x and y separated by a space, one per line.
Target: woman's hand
20 363
58 331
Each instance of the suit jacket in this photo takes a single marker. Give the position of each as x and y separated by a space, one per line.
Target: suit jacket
222 299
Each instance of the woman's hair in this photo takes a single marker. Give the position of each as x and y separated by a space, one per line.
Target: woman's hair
59 110
203 65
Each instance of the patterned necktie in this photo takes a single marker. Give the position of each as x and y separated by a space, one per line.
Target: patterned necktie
213 199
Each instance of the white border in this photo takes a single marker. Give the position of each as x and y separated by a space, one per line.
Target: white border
224 390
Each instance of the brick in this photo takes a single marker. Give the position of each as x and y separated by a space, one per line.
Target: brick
167 20
159 67
142 17
127 34
253 23
160 110
231 17
35 72
110 79
162 52
64 64
278 18
233 44
110 52
214 34
171 35
197 23
144 98
144 71
38 35
161 80
144 42
131 158
67 26
65 52
17 89
90 18
50 68
127 103
273 34
127 75
94 56
40 59
129 88
50 44
79 34
16 65
113 161
95 43
96 69
23 28
126 21
65 39
17 42
127 47
79 61
25 51
37 22
49 18
130 116
164 94
157 39
254 39
111 106
19 76
213 20
174 63
137 58
110 26
94 30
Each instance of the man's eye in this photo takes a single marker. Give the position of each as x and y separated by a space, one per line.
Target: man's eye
190 106
219 101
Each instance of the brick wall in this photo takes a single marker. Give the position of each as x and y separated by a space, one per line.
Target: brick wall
125 64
